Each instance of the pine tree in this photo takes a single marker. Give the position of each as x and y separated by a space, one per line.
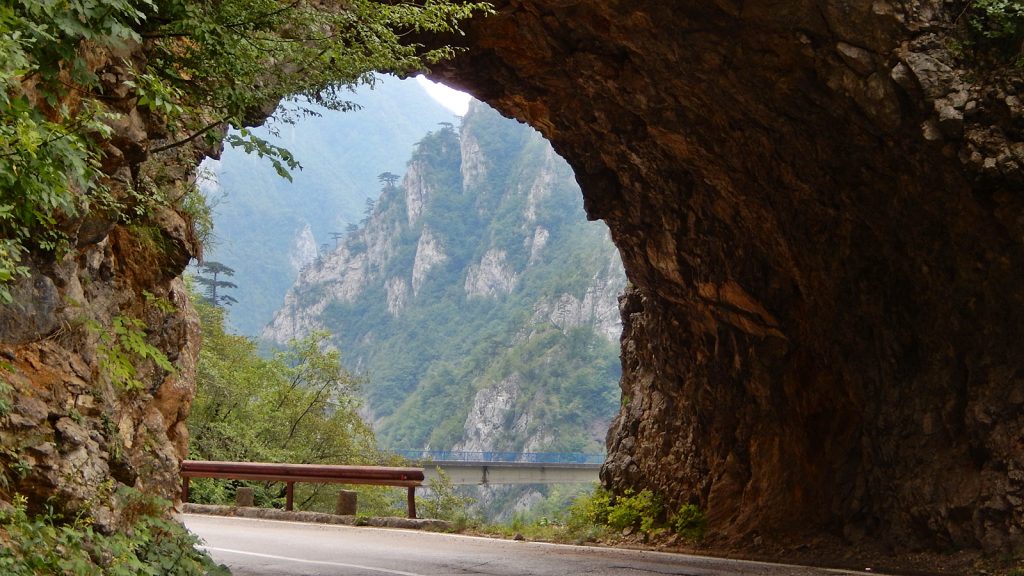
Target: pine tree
212 284
388 179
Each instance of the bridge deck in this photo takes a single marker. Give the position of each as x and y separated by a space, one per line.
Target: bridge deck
469 473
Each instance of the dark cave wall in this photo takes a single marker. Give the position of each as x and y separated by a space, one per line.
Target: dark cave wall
820 214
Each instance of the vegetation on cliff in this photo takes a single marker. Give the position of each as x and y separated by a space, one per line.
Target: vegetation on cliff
997 27
268 227
201 66
598 515
477 300
460 302
104 107
51 544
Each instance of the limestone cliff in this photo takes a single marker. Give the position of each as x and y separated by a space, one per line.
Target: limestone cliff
304 251
454 297
819 207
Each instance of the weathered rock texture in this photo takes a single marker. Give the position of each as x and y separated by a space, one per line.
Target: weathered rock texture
821 215
74 434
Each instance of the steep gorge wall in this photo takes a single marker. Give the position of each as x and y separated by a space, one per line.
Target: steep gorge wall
821 217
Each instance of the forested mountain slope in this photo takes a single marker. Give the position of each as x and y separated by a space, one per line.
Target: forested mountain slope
476 298
266 227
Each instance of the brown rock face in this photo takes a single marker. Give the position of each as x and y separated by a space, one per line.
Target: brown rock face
822 221
72 434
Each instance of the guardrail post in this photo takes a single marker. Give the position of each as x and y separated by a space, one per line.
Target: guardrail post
412 502
184 489
289 495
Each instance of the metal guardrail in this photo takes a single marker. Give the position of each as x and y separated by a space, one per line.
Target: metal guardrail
505 457
291 473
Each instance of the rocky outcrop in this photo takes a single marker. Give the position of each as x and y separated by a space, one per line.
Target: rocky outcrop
537 242
477 335
819 208
83 412
73 434
341 275
429 253
301 313
417 191
398 295
474 166
541 187
360 262
491 416
491 277
304 251
596 308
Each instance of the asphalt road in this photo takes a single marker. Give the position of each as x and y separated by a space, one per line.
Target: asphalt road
272 548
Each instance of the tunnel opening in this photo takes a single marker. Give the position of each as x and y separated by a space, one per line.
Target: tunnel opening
449 258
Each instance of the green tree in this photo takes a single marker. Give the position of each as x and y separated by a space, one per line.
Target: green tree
998 26
442 501
299 406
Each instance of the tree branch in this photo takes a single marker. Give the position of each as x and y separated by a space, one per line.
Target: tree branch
188 139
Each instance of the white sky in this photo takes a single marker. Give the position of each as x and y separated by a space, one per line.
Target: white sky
457 102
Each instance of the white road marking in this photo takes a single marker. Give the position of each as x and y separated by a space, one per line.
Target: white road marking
318 562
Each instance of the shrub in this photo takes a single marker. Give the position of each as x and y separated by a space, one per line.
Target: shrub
589 510
635 510
689 522
998 25
444 503
49 544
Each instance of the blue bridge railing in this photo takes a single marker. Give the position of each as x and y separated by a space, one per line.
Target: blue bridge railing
525 457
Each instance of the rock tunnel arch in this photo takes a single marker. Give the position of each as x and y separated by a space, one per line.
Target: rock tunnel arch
819 211
820 216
